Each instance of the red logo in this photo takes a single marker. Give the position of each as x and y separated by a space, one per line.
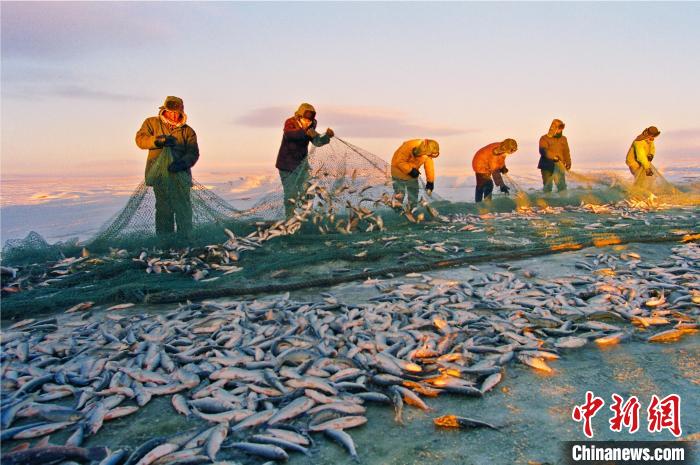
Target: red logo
626 415
665 414
587 411
661 414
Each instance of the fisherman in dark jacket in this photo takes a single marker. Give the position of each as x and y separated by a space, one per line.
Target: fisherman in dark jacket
555 157
169 129
292 161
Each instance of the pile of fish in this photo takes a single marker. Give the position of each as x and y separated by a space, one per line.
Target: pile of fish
197 262
340 208
261 377
628 209
56 272
322 206
319 206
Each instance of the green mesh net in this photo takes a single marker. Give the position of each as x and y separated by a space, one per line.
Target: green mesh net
349 174
182 200
343 178
345 223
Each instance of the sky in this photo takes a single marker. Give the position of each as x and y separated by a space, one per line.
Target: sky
78 79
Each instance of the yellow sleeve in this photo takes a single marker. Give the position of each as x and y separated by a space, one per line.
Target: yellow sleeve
145 137
641 153
402 158
429 170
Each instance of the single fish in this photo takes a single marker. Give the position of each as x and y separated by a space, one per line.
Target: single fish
50 454
267 451
453 421
340 423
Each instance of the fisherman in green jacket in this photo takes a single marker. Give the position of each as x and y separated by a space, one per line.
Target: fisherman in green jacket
169 129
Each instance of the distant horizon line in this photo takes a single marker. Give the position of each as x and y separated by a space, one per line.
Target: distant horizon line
265 170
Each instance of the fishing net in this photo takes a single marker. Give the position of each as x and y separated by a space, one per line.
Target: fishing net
349 174
345 176
34 248
345 223
656 184
344 192
164 200
342 176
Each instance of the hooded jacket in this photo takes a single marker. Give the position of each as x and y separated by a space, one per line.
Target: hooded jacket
295 140
185 151
487 162
553 149
404 160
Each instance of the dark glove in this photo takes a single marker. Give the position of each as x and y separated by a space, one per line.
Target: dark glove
504 170
429 186
177 166
505 189
330 132
165 141
568 166
650 172
414 173
650 157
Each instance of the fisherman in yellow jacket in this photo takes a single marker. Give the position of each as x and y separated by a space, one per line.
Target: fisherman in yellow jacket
641 153
406 164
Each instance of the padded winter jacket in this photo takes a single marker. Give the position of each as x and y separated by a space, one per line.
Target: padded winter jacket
186 150
404 160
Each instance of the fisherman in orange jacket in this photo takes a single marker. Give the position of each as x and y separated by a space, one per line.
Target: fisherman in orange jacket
488 164
405 165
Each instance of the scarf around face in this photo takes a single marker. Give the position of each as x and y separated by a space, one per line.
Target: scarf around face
170 123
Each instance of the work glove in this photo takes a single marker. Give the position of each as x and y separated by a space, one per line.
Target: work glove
650 172
165 141
429 186
504 170
568 166
329 132
176 166
650 157
414 173
505 189
311 132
